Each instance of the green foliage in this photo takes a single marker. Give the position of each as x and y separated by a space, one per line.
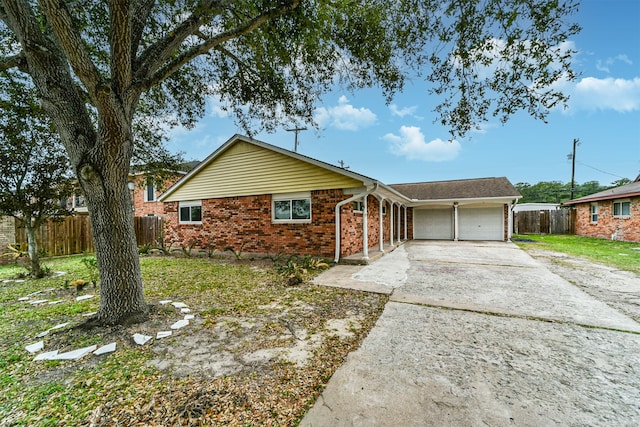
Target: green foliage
297 269
236 252
91 264
557 192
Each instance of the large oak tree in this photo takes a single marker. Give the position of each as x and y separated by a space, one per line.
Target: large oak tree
99 65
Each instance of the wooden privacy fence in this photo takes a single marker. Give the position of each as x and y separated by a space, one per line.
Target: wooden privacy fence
560 221
73 234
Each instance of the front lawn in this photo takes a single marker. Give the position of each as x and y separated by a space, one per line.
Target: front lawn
622 255
257 351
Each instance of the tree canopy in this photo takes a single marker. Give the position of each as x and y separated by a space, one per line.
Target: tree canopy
101 68
557 192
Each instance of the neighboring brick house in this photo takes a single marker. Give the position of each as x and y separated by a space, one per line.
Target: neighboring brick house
145 193
7 237
610 214
268 200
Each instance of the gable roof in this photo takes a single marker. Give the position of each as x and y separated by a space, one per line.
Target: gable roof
459 189
235 163
628 190
341 177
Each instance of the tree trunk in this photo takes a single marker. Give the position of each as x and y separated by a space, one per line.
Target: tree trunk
104 183
34 255
99 154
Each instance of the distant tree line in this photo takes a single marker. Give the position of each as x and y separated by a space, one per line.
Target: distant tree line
557 192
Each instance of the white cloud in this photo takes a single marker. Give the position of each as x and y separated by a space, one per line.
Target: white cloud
620 95
401 112
411 144
345 116
604 65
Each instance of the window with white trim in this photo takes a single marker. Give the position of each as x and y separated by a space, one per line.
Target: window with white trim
190 212
622 209
291 207
594 212
384 209
150 192
358 206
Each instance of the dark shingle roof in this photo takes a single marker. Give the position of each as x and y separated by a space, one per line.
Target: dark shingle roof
458 189
628 190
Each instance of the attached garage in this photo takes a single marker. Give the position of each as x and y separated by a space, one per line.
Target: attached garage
433 224
465 209
481 223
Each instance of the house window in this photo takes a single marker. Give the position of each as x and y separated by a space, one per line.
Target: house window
291 208
358 206
594 212
150 192
191 212
622 209
384 209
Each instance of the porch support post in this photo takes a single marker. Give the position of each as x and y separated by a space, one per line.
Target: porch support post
391 224
455 222
365 229
399 239
381 232
406 237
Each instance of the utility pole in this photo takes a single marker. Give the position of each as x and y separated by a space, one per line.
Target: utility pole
576 142
296 130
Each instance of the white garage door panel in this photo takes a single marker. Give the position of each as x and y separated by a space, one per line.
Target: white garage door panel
434 224
480 223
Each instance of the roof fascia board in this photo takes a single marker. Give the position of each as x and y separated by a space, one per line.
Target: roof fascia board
464 201
602 198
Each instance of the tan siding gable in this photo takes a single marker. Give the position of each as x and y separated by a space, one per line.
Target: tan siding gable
245 169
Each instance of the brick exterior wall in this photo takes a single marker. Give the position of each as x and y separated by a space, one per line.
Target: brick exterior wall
626 229
144 208
505 221
7 237
234 221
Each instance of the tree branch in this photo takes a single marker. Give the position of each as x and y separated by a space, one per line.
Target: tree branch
141 10
71 42
153 57
164 71
18 61
120 41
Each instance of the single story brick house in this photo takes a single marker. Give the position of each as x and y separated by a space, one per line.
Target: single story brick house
264 199
610 214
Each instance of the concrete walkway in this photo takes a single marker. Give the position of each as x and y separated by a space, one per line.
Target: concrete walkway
479 333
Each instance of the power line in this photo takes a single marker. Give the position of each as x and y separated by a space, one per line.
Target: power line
600 170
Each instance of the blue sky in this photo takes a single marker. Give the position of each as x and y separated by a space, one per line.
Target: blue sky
400 143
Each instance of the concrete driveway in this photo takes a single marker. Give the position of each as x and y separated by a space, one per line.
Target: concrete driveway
480 333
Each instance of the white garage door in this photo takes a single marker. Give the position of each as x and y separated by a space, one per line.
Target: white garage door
480 223
434 224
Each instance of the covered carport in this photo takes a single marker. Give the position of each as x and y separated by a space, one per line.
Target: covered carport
469 209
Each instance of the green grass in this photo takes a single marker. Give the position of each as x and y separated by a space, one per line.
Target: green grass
622 255
117 385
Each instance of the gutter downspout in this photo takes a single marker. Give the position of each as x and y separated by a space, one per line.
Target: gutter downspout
338 207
